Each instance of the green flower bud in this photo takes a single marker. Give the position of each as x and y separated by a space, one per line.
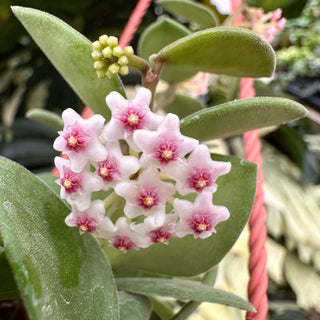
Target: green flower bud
109 74
96 46
109 58
128 51
114 68
117 51
107 52
124 70
123 61
99 65
103 40
112 41
101 74
96 55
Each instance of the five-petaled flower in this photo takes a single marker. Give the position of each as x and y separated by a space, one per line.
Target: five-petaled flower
146 196
166 147
199 218
199 172
91 220
80 139
129 116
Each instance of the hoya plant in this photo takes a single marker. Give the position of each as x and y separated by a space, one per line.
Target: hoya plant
138 208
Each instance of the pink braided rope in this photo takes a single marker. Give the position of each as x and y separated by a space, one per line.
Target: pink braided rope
133 22
258 283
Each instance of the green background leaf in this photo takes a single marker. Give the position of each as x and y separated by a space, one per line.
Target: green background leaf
134 307
46 117
236 117
158 35
59 273
189 256
191 11
8 287
183 106
182 290
70 52
221 50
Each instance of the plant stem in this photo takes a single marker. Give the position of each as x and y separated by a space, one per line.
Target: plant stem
138 63
109 199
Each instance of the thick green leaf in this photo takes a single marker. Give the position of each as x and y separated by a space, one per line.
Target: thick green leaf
59 273
46 117
191 11
183 106
158 35
70 53
230 51
49 179
134 307
236 117
209 279
8 287
189 256
182 290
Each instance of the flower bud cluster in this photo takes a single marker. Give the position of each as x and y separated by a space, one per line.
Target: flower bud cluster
109 58
168 166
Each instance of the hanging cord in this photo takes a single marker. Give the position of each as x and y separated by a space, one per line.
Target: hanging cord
134 22
258 282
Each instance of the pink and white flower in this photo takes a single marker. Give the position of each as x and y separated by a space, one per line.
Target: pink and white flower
80 139
146 196
76 187
116 167
91 220
160 234
165 147
125 238
129 116
199 172
199 218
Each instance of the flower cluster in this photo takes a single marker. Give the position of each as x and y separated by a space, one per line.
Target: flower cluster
167 164
265 24
109 58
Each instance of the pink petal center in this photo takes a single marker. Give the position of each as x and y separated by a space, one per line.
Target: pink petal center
200 222
160 235
199 179
86 224
132 118
108 170
71 182
76 139
147 199
123 243
166 152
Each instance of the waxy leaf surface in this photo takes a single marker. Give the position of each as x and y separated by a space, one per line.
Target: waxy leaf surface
189 256
239 116
191 11
70 52
158 35
229 51
60 274
182 290
134 307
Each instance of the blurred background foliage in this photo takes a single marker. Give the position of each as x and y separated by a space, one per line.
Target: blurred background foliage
291 152
28 80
